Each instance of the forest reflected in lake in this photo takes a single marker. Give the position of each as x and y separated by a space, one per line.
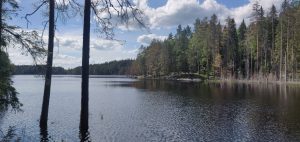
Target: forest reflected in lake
123 109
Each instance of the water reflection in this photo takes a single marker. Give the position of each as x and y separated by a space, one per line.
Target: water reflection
156 110
44 134
230 111
84 134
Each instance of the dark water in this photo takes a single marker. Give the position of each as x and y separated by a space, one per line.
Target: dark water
124 110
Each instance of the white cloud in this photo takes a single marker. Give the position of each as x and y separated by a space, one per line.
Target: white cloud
75 42
184 12
146 39
170 15
67 52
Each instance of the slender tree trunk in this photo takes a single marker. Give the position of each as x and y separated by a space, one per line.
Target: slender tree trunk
257 53
1 3
287 52
293 56
46 98
85 69
266 54
251 64
247 64
285 66
281 46
273 44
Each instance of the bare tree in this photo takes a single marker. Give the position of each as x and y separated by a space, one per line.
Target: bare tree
62 8
46 98
121 10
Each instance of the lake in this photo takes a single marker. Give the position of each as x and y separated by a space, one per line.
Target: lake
129 110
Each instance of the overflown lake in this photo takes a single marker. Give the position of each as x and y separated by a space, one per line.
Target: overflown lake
123 109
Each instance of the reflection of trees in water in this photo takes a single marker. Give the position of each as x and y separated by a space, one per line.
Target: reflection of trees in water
44 137
261 110
9 135
84 134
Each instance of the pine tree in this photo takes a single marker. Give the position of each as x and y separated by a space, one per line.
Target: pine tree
244 53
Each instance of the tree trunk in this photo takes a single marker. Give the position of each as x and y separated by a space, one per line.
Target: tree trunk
285 67
281 46
293 56
1 3
273 45
85 70
251 64
46 98
287 51
247 63
257 53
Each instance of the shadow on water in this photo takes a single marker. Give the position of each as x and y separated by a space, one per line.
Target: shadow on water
9 134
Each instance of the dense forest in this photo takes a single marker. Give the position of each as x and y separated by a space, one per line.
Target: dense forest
266 48
108 68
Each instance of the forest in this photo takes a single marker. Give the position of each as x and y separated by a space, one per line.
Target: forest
108 68
266 48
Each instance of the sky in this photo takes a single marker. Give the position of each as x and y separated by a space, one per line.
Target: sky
161 16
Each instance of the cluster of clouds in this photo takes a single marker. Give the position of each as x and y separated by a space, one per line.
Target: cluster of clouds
75 42
68 51
184 12
163 18
146 39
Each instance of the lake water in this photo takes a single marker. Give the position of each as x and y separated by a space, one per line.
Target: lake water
128 110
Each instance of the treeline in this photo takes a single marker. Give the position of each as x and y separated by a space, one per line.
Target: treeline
267 48
108 68
35 70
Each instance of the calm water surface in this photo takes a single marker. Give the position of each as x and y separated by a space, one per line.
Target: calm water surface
123 109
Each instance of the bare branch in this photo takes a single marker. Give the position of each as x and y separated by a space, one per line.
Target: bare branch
32 13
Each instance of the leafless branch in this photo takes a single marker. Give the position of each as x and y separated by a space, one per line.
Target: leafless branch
32 13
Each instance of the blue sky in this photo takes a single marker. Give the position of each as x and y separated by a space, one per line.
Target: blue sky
162 16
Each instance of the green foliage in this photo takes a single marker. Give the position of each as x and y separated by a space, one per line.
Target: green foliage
268 48
13 36
8 94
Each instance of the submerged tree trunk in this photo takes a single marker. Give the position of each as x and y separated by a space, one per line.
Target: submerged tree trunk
46 98
85 69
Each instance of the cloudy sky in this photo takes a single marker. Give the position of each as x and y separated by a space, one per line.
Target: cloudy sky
161 16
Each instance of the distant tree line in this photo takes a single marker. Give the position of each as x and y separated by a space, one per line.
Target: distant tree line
267 48
108 68
35 70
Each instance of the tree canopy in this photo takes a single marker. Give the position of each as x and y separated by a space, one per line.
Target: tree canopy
266 48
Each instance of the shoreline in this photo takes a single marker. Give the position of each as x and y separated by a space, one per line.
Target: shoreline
184 79
244 81
252 81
